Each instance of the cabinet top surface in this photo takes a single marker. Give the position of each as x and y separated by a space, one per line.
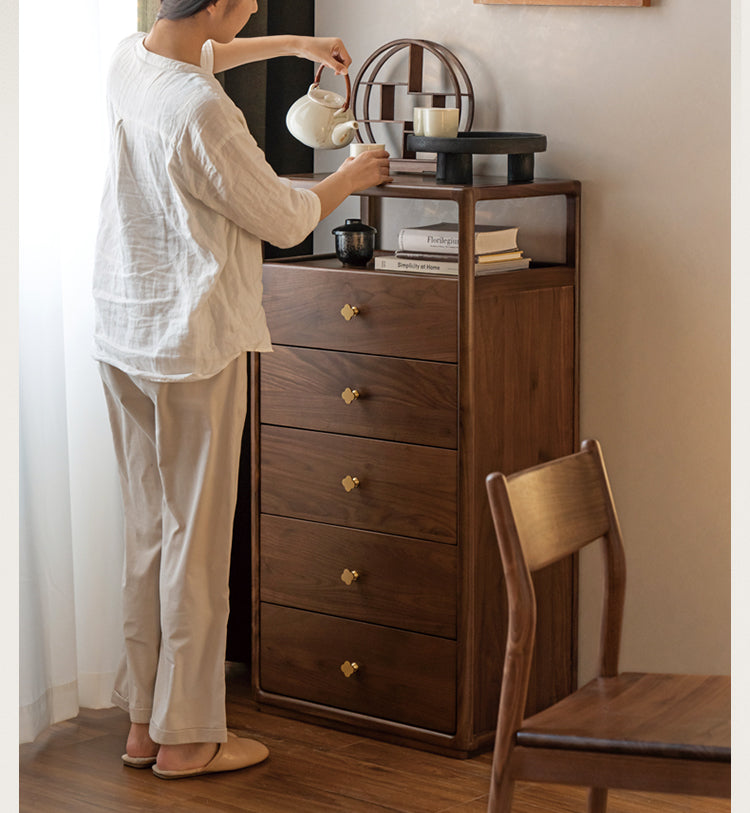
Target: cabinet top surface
407 185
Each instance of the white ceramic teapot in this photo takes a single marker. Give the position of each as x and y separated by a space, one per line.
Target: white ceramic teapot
322 119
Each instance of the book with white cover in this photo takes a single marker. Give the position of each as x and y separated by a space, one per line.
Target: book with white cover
443 238
389 262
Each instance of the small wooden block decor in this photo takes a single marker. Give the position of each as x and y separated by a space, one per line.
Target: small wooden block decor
564 2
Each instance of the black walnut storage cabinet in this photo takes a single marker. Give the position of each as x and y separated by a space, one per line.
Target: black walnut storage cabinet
377 590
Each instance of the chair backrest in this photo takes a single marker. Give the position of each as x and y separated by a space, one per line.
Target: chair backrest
545 513
559 507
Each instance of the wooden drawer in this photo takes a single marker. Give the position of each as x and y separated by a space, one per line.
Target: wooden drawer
404 583
398 399
402 676
403 489
398 315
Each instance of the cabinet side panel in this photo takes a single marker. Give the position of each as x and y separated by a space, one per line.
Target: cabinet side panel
525 392
239 625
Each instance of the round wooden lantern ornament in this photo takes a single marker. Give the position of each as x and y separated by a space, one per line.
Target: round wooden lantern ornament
367 113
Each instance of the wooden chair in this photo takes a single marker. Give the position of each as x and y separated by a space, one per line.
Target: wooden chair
651 732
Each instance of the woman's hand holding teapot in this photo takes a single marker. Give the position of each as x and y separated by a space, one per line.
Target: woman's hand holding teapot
331 51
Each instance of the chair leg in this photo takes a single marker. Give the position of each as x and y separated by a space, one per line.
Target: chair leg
597 800
501 794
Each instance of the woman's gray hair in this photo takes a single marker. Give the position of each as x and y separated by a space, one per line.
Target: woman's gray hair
179 9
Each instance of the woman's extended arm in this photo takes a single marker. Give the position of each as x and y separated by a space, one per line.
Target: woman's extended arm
355 174
241 50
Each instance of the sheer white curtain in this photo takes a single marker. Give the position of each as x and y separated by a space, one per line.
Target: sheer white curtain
70 548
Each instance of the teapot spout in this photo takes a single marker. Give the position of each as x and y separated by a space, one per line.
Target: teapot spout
343 133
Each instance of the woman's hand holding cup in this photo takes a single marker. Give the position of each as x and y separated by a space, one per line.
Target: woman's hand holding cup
368 165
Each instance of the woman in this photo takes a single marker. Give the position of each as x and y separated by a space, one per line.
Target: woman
188 200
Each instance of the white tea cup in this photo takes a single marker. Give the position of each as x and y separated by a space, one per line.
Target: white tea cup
440 122
355 148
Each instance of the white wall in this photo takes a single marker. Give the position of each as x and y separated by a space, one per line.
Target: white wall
636 104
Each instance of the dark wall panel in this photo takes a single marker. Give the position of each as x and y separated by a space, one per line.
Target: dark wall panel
264 92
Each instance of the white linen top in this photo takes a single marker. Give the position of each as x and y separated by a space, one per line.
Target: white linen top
188 199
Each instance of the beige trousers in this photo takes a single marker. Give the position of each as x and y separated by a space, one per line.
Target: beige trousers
178 449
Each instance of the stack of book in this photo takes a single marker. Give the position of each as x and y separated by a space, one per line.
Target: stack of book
434 249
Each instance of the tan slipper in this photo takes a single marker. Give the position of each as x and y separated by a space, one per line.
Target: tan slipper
234 754
138 762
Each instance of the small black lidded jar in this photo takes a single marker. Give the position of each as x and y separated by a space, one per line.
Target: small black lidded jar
355 242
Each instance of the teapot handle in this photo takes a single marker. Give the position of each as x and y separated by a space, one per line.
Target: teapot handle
345 106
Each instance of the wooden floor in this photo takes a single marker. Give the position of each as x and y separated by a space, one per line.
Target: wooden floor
75 766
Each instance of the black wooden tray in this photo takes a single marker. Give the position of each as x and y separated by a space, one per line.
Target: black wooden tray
455 155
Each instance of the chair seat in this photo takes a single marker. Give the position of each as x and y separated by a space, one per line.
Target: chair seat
672 716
